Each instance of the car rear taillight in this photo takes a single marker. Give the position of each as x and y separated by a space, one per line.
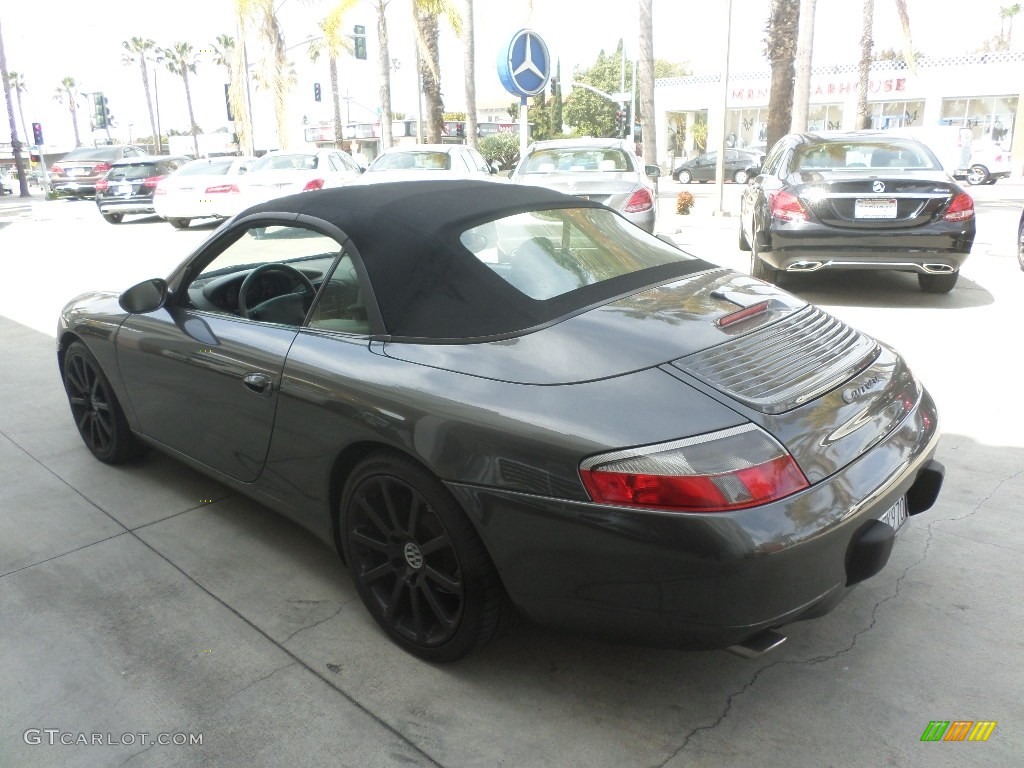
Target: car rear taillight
639 201
786 206
220 189
152 181
101 168
314 184
732 469
102 185
56 169
961 209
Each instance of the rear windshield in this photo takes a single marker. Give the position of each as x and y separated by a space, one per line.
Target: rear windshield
286 163
134 171
206 168
413 161
876 154
576 160
88 153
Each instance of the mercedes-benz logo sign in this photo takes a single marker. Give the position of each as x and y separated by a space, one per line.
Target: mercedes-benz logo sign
878 186
413 556
524 65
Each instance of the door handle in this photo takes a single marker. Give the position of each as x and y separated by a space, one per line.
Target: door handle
259 383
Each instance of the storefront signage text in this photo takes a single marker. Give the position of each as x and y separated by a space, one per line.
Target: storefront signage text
833 88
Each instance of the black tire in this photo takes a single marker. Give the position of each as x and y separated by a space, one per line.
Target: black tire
977 174
180 223
744 243
114 218
1020 244
740 177
417 562
937 283
97 413
760 268
684 177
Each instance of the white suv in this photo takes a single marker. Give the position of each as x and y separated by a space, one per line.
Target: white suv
989 162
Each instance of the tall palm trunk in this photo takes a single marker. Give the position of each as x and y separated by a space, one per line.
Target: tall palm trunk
74 117
804 52
645 76
469 58
782 38
384 73
237 79
15 144
866 44
430 69
21 114
149 101
191 114
339 137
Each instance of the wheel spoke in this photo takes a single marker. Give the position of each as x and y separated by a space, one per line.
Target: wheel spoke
450 583
102 406
371 513
375 574
77 401
435 544
435 607
369 542
389 504
108 430
83 421
417 613
414 515
75 377
392 607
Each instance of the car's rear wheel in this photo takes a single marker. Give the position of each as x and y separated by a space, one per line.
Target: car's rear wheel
97 413
1020 244
740 177
978 174
685 177
114 218
760 268
180 223
744 243
418 565
938 283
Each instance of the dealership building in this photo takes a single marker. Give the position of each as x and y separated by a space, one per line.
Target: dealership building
984 92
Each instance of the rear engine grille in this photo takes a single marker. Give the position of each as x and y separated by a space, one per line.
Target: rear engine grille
785 364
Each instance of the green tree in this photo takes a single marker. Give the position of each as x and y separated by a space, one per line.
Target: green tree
67 94
143 51
180 59
227 54
588 113
501 148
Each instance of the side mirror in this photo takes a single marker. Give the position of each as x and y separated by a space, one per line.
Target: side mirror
652 171
144 297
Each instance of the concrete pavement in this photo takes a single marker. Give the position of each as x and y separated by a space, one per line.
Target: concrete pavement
148 599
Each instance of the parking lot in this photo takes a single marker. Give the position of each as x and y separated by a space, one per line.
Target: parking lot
147 599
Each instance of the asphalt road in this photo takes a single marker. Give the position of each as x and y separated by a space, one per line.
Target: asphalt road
148 599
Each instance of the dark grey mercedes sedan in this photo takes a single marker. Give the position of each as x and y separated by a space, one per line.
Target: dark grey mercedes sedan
493 398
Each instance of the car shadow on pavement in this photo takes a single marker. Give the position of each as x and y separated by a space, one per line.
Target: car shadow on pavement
882 289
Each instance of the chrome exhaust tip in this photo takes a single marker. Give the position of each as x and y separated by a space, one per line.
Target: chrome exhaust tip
758 645
938 269
805 266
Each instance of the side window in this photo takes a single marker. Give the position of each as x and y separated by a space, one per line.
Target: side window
348 162
478 159
336 164
270 274
341 307
771 163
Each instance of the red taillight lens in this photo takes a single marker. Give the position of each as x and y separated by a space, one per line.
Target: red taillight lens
314 184
152 181
56 169
221 189
786 206
732 469
102 185
639 201
101 168
960 209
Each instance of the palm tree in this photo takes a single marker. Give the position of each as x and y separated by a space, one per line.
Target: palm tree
1006 15
426 14
804 52
15 144
67 93
866 45
16 82
645 77
142 50
781 51
383 72
180 59
335 42
278 74
230 56
469 65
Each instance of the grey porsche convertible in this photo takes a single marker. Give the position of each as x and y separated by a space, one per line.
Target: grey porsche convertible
496 400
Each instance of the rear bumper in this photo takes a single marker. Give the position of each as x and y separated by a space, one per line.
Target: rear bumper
73 188
711 580
113 205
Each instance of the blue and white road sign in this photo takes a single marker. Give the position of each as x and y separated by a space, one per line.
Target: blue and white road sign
524 66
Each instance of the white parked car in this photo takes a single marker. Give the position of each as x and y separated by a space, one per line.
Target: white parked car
978 161
428 161
191 191
287 172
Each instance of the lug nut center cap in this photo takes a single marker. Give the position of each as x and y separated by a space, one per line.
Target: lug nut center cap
413 556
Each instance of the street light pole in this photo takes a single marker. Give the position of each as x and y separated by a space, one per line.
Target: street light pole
724 96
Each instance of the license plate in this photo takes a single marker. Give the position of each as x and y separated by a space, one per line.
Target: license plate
122 189
874 208
75 171
896 515
583 197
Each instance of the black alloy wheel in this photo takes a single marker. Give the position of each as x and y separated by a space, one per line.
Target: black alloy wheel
114 218
417 563
1020 244
180 223
96 411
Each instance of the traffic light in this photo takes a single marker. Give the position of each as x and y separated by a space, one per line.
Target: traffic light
101 112
620 121
316 92
359 39
37 134
554 86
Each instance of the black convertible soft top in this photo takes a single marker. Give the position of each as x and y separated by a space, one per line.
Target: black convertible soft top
427 284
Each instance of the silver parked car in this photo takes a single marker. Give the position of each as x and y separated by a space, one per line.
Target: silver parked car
604 170
428 161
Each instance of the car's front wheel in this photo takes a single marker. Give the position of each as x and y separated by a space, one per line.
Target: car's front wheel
685 177
417 562
740 177
1020 244
95 408
978 174
180 223
114 218
938 283
760 268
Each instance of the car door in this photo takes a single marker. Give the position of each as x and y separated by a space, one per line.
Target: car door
202 378
704 167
